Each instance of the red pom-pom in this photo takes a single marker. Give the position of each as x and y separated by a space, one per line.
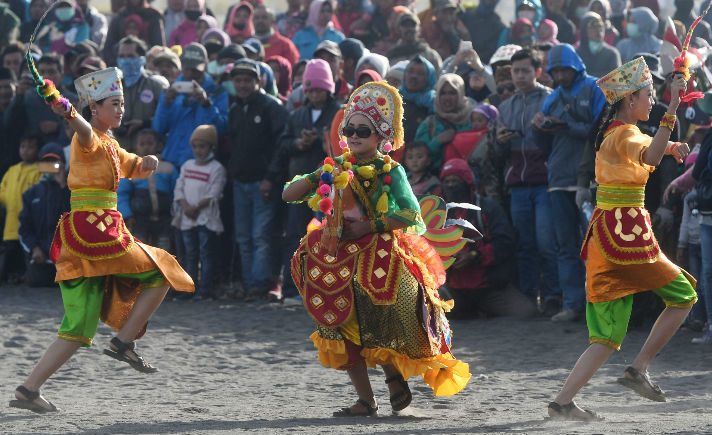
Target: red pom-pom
387 179
325 205
381 101
324 189
329 161
352 160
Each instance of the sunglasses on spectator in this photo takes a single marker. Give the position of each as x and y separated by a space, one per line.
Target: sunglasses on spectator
505 87
362 132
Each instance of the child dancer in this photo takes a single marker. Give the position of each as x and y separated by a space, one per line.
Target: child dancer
103 272
621 252
368 281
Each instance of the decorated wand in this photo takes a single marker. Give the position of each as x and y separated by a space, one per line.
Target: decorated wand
682 62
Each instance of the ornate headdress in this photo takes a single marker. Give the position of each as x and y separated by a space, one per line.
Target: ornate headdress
98 85
382 105
625 80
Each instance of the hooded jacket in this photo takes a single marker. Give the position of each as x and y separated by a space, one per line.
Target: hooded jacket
505 36
178 120
578 106
645 41
603 61
42 206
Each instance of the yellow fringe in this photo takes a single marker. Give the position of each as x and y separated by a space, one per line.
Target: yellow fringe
382 204
332 353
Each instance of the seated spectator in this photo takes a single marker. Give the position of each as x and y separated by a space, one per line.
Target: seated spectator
444 31
141 91
547 32
599 57
42 206
238 22
410 45
178 114
419 166
484 25
641 28
480 278
418 92
375 62
302 148
15 182
352 50
273 42
37 9
318 28
187 31
452 114
603 9
466 144
145 203
197 195
152 19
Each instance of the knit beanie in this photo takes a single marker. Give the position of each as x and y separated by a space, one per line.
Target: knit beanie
317 75
459 168
207 133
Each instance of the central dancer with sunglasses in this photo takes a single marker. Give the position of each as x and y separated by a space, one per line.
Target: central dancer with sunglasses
367 277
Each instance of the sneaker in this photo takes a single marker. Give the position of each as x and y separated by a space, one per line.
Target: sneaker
565 315
705 339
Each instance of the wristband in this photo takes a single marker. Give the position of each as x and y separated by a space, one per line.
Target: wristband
71 114
668 121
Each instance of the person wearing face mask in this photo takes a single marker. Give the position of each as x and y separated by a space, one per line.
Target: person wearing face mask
141 90
529 9
640 29
68 29
187 31
596 54
220 68
522 33
480 278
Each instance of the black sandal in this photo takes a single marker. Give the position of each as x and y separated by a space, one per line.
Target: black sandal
369 411
641 384
120 354
564 412
401 400
29 402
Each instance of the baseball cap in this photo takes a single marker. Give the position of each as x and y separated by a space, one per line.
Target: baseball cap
407 16
328 46
232 51
253 44
352 48
51 150
194 56
244 66
165 53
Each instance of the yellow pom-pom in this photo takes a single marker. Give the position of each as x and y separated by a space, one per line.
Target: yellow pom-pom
346 155
314 202
347 166
387 167
382 204
341 180
365 171
327 168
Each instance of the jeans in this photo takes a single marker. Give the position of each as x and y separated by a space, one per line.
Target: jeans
569 236
536 243
200 243
706 277
254 221
298 217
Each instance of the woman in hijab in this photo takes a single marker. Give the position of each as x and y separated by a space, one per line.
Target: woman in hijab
187 30
522 33
319 27
599 57
214 40
603 8
452 115
239 22
418 92
366 76
282 71
547 32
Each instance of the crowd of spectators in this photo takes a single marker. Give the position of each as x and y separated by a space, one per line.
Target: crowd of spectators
499 114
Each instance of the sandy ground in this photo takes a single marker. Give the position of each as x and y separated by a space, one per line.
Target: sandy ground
229 367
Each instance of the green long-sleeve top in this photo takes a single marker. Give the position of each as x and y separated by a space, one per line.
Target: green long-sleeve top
402 203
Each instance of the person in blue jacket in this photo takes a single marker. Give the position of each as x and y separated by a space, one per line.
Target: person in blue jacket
42 206
562 129
178 114
318 28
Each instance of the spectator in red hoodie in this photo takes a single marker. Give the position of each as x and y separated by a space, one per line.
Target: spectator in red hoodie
273 42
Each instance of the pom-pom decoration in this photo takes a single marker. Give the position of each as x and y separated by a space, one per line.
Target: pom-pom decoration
326 205
343 144
387 147
324 189
326 177
327 168
365 171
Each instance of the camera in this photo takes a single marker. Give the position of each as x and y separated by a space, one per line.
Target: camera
548 124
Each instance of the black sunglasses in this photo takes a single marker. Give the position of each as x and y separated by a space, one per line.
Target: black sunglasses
505 87
362 132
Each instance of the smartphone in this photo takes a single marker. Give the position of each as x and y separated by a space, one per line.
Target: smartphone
465 45
48 167
183 87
